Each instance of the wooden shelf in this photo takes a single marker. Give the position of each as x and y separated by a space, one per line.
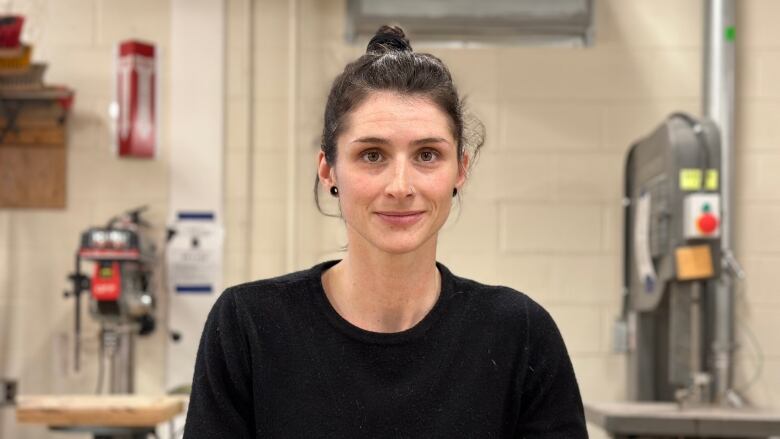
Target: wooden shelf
43 94
33 147
98 410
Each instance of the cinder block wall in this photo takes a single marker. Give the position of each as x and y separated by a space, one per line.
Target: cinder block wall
37 246
541 212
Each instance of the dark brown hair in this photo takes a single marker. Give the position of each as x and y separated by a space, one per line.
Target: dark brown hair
389 64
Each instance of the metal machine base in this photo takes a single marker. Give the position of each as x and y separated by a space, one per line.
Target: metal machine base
660 420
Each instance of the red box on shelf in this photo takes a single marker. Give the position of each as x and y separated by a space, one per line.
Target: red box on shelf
10 30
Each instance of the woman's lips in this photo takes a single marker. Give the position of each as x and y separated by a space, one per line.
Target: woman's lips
401 218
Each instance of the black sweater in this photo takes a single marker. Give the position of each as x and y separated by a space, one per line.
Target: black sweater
277 361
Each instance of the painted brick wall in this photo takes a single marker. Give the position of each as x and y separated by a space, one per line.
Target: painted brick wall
76 39
541 212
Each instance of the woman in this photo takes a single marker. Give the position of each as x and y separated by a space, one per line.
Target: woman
386 343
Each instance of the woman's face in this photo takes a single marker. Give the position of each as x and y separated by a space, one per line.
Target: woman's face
396 167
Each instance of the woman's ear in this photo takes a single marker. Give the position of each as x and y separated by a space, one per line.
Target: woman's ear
325 171
463 169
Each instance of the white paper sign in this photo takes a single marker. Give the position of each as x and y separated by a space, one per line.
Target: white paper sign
194 254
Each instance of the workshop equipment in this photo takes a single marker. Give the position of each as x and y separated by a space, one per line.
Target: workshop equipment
671 260
121 295
657 420
33 136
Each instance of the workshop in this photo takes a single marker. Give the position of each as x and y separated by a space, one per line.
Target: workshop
214 215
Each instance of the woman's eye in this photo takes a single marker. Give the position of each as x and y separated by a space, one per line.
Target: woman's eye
427 156
372 156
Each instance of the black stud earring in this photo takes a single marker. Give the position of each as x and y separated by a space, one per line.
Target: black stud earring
334 191
454 192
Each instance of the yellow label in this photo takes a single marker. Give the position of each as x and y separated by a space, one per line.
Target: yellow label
712 180
690 179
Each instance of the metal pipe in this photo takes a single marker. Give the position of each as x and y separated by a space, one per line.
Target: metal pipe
718 105
292 147
77 324
696 333
120 352
250 135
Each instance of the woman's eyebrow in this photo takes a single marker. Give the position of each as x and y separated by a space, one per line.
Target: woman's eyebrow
382 141
430 140
377 140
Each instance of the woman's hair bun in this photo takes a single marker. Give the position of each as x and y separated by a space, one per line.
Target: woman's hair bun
389 39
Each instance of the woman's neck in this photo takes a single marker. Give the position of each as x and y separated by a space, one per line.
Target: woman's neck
383 292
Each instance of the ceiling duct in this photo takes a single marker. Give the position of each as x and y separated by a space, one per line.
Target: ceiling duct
484 22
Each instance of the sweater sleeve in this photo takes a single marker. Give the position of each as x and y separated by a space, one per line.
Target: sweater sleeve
550 402
221 400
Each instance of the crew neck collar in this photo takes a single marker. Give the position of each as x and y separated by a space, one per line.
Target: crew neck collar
344 326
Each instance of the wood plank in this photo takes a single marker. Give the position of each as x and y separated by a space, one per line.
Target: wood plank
32 114
32 177
24 121
45 94
98 410
47 135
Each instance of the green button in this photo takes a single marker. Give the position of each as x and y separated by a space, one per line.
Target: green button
706 207
730 33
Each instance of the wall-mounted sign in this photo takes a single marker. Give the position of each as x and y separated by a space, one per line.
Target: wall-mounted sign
135 108
194 253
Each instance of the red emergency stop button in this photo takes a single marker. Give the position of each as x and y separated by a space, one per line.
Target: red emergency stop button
707 223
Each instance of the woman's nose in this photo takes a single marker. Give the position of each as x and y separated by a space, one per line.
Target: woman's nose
400 185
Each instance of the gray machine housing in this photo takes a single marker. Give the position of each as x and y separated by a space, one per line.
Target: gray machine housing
664 347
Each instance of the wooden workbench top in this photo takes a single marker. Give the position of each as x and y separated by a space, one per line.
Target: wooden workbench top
104 410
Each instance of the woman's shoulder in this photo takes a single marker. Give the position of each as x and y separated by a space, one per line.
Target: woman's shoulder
277 289
514 312
500 300
281 282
